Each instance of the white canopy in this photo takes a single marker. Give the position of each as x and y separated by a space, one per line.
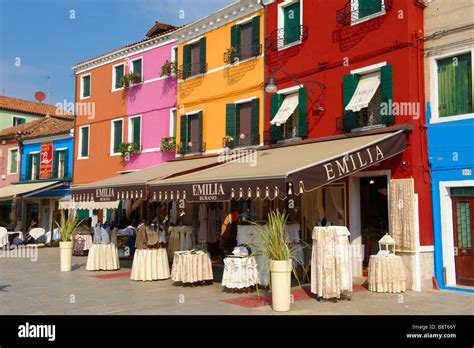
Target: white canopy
364 93
289 105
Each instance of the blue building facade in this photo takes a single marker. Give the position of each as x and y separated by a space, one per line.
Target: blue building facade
47 161
451 155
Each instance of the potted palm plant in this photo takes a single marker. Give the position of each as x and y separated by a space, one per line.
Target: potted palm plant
278 249
67 229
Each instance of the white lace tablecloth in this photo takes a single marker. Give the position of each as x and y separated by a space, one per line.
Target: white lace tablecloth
150 264
331 271
191 268
87 238
386 274
103 257
240 272
248 234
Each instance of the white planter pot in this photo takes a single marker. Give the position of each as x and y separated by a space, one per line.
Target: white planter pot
65 249
281 284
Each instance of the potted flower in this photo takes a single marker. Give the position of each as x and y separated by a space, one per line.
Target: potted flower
67 229
129 79
127 149
168 144
229 142
169 68
281 253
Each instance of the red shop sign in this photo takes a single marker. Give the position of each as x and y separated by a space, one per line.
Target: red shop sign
46 161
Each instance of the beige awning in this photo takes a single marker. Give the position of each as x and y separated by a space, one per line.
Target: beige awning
94 205
364 93
266 173
133 185
9 192
288 107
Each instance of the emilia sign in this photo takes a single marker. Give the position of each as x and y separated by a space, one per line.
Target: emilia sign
104 194
208 192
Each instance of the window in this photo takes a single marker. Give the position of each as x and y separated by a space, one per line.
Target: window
455 92
13 161
84 142
292 23
194 58
118 73
85 86
172 123
116 136
245 40
32 166
243 122
366 9
174 54
60 164
191 133
367 97
136 67
134 130
18 120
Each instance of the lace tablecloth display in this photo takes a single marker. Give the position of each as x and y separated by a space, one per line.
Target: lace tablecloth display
150 264
331 271
248 234
240 272
103 257
191 267
386 274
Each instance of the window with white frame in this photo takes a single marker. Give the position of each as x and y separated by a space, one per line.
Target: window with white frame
173 123
454 85
13 161
85 86
116 136
362 10
290 20
84 142
135 130
18 120
118 72
136 67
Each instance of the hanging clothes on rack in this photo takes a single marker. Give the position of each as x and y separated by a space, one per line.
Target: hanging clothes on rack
141 240
174 213
211 224
202 234
102 233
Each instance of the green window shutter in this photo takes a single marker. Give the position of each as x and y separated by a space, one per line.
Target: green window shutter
117 135
37 161
235 40
369 7
351 119
186 61
302 112
86 86
29 161
136 130
230 119
386 92
255 124
55 164
276 133
66 164
455 85
119 72
13 161
85 142
256 35
137 68
202 55
200 138
183 132
292 23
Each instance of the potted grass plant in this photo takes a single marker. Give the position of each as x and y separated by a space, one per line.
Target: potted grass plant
67 229
281 253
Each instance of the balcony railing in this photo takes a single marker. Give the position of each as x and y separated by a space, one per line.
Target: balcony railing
241 52
355 121
191 147
351 11
190 70
50 176
281 37
241 141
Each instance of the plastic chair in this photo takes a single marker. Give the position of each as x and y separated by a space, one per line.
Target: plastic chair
36 233
3 237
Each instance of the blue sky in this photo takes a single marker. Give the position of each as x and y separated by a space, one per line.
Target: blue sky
39 38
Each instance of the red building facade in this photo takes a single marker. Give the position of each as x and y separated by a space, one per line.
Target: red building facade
320 54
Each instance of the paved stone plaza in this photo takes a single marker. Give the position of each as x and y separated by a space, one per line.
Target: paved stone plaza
39 287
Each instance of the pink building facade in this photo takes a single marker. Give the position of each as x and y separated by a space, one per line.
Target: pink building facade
154 102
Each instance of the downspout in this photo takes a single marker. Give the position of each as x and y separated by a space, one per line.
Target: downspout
265 97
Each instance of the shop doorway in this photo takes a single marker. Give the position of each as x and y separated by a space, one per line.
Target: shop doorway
463 211
374 220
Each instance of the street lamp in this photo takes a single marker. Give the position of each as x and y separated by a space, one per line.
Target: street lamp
271 86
